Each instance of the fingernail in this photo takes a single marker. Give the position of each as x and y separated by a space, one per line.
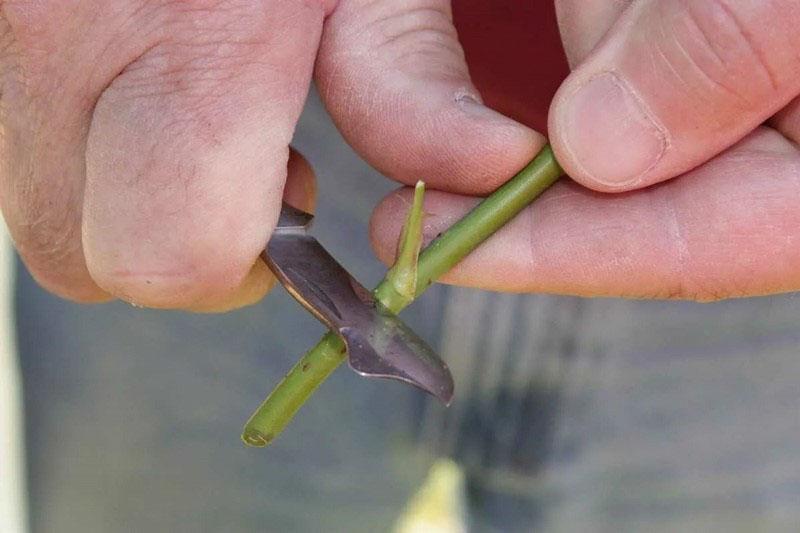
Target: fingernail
610 133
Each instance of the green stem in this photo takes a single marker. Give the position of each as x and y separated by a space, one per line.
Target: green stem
292 392
439 257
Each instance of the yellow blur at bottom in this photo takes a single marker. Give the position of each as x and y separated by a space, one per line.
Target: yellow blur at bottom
438 506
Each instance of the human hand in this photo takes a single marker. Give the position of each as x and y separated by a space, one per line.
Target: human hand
144 144
702 91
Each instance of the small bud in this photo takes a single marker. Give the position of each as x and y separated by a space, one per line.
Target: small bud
403 274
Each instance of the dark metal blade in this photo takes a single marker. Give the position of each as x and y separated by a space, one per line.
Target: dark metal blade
378 343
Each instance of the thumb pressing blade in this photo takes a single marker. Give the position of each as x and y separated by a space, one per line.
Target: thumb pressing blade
378 343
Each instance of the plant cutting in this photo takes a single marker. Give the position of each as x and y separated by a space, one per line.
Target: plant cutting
412 273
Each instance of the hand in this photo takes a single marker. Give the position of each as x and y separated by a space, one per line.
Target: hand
702 91
144 144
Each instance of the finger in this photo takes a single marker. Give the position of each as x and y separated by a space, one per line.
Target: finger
51 76
393 76
671 85
300 192
42 188
187 153
583 23
717 232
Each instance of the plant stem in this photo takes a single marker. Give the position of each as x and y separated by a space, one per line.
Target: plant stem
435 260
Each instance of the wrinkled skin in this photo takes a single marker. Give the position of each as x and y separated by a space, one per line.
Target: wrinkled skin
145 144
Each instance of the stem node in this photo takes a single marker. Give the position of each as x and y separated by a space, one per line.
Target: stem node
396 291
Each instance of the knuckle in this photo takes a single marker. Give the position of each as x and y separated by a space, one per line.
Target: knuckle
408 36
217 58
726 42
422 32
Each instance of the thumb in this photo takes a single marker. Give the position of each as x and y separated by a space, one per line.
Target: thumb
671 85
394 78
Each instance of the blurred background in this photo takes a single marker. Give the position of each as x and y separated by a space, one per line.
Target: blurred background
570 414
